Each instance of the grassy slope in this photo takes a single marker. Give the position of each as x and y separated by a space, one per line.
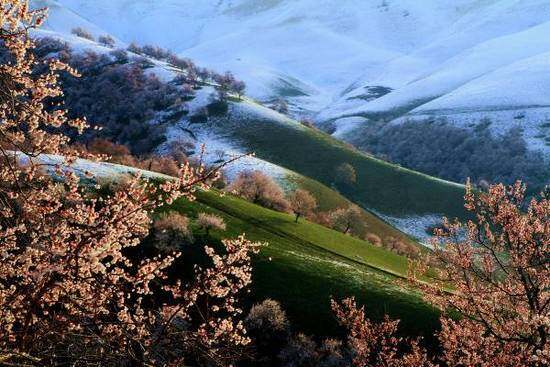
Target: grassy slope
381 186
305 264
329 199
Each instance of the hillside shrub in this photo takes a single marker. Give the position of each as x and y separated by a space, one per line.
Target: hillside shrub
107 41
209 222
303 351
171 230
308 123
120 56
269 327
300 351
83 33
322 218
258 188
345 175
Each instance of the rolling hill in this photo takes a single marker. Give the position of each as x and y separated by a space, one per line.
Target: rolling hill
396 194
303 264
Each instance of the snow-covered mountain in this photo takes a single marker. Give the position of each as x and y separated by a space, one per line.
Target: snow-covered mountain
348 61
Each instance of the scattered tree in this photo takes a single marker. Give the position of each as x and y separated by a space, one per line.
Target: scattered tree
221 182
238 87
401 247
83 33
107 41
162 164
308 123
120 56
280 106
345 175
303 351
332 354
224 84
204 74
374 239
108 148
208 222
134 48
191 77
300 351
187 90
182 63
302 203
349 220
169 164
143 62
322 218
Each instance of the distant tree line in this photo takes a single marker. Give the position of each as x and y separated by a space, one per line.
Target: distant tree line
225 83
453 153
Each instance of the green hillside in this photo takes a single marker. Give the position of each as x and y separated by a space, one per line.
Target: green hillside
381 186
305 264
329 199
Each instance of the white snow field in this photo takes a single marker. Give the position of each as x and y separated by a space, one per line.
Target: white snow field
458 58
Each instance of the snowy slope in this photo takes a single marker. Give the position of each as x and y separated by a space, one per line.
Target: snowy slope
61 19
461 55
216 147
322 44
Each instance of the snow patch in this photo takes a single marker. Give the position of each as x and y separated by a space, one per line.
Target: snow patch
347 125
415 226
218 149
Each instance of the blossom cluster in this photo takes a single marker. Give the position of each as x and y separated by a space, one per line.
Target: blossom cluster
492 286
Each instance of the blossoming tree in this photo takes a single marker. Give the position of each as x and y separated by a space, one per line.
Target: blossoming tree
494 276
499 266
69 291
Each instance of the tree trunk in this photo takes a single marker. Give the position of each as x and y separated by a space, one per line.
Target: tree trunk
348 227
